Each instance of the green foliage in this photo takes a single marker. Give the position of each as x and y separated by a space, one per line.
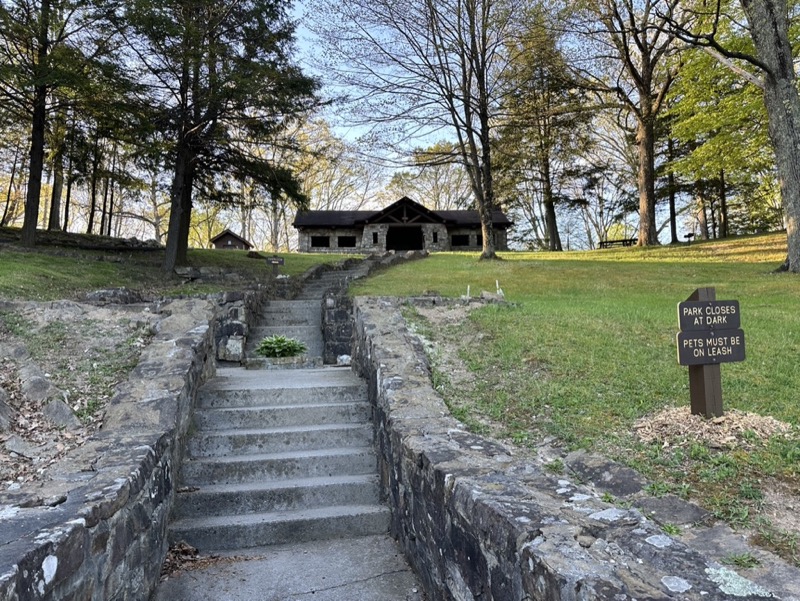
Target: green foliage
544 130
280 346
741 560
221 87
720 124
14 324
671 529
782 542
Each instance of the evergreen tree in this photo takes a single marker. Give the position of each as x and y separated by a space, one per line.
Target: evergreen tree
219 77
545 120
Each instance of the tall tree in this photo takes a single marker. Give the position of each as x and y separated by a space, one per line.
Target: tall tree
423 67
217 73
48 45
635 48
769 66
545 120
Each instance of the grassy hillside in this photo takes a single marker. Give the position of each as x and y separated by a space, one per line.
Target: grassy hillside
587 348
60 268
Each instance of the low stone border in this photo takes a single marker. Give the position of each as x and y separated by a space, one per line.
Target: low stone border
107 540
479 523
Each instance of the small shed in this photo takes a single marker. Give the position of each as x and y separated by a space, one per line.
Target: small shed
227 240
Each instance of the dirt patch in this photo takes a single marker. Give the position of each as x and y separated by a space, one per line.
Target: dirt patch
445 320
77 353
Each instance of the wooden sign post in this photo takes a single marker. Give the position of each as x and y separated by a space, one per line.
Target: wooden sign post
710 335
276 262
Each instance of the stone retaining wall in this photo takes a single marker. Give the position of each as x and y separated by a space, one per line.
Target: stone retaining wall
337 306
479 522
107 540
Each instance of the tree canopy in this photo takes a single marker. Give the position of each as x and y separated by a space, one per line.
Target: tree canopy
175 119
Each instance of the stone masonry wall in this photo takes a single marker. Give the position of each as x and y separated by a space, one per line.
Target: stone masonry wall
239 310
480 522
107 540
337 306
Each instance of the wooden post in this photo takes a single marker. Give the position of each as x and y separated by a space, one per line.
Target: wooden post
705 381
276 262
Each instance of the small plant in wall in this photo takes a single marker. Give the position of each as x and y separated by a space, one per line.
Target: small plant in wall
280 346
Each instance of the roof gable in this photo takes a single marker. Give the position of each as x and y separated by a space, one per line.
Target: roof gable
224 233
405 211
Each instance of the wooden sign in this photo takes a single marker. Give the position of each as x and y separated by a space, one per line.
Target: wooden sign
709 347
276 262
710 335
708 315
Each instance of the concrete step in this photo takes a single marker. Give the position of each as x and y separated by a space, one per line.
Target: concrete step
282 495
307 414
240 387
287 320
218 443
293 307
301 362
303 313
273 528
272 466
298 332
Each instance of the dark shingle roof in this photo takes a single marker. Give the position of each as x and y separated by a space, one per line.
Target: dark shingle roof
353 218
331 218
473 218
229 233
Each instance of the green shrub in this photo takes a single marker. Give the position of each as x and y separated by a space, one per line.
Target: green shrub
280 346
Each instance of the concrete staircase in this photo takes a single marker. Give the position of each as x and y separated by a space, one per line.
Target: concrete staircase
280 455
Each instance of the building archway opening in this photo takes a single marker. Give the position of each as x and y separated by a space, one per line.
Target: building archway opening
404 238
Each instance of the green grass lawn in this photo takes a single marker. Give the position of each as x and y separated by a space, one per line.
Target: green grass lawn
587 347
55 274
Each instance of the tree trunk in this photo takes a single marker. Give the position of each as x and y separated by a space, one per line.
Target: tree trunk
38 125
702 216
180 211
769 28
158 234
110 208
723 206
554 239
7 209
70 178
673 215
106 183
274 229
54 220
645 141
67 199
36 167
486 201
93 184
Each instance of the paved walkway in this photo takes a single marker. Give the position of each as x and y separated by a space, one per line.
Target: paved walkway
353 569
280 487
